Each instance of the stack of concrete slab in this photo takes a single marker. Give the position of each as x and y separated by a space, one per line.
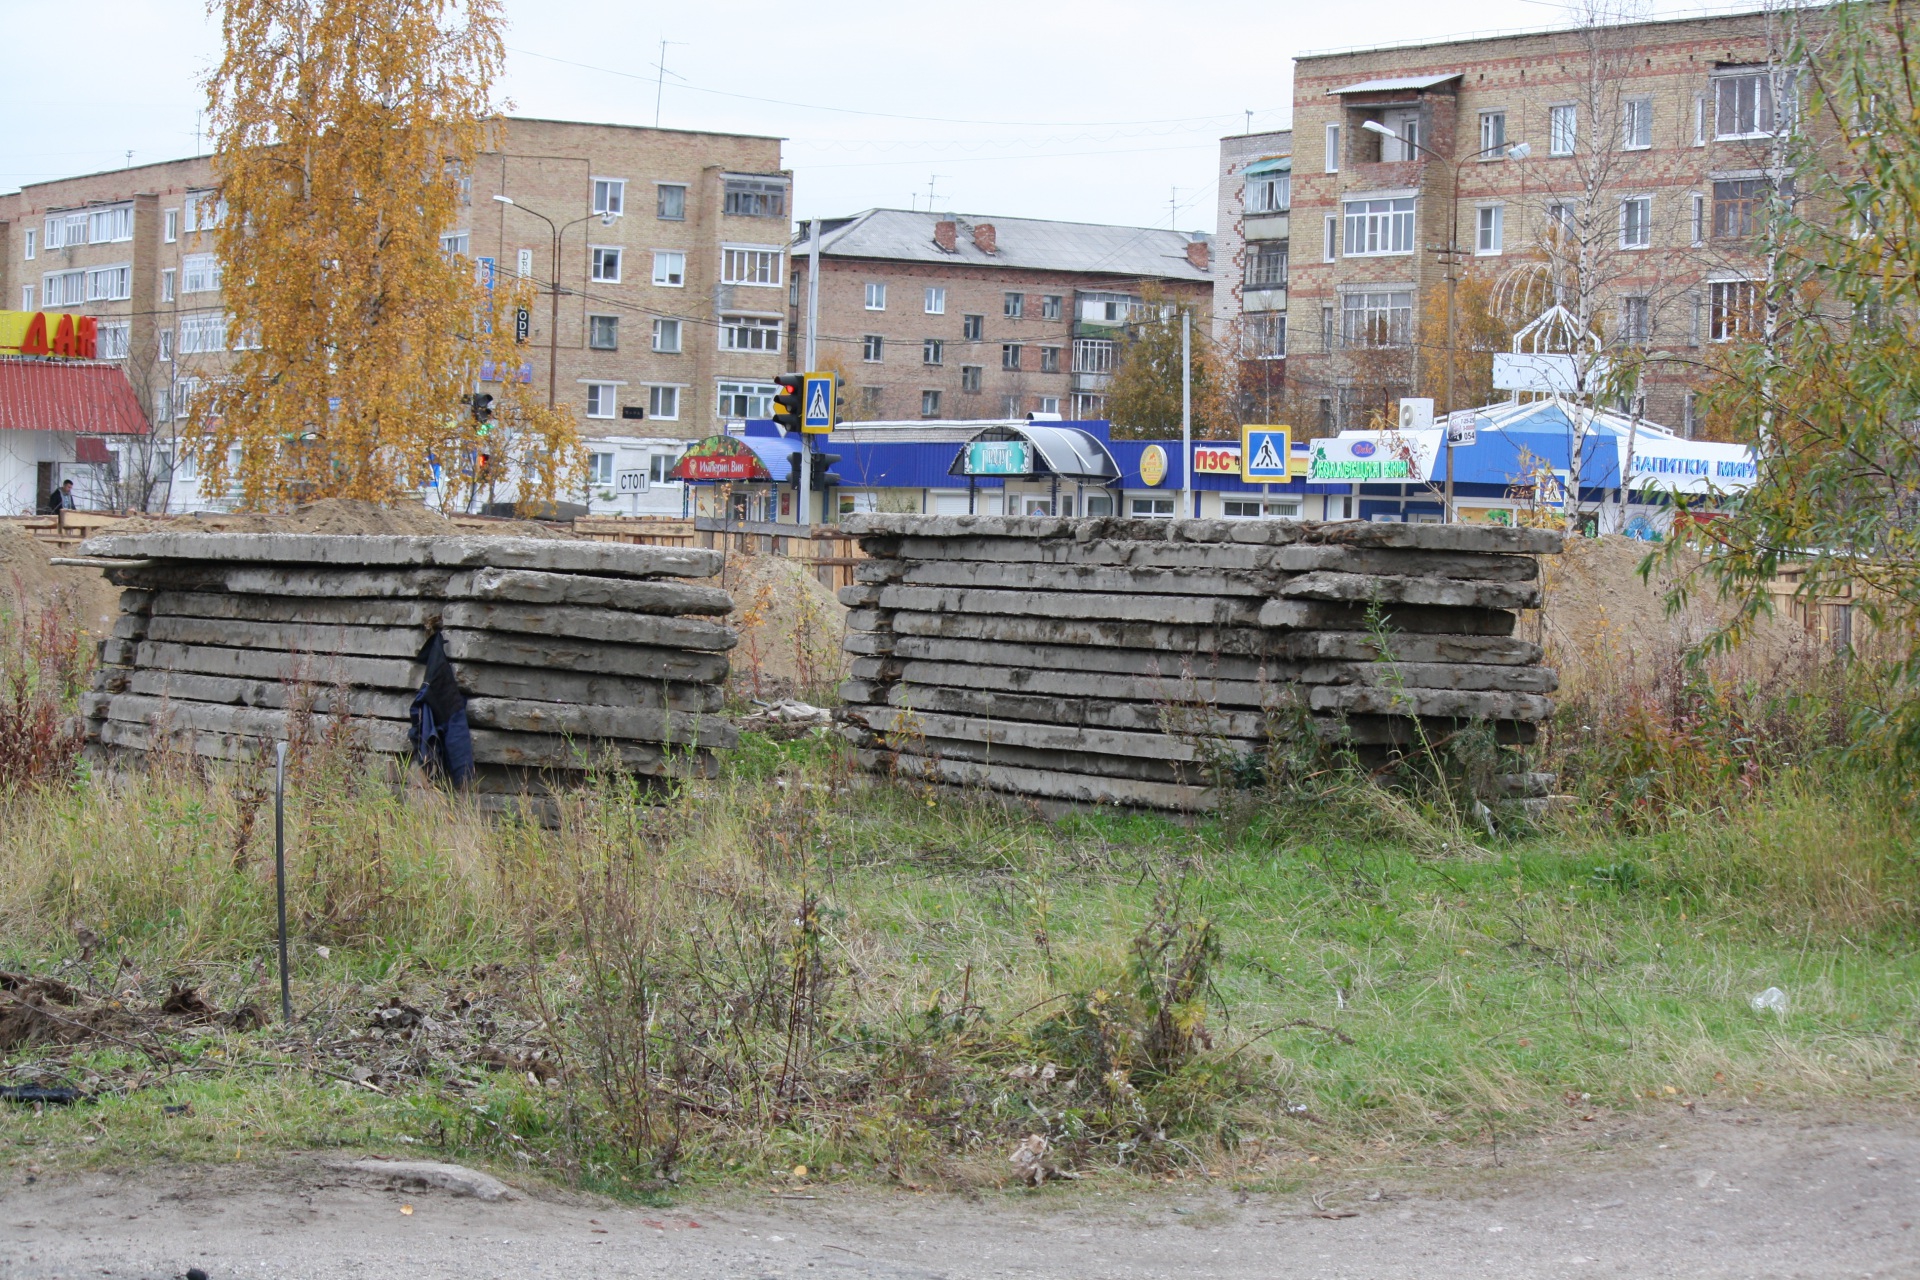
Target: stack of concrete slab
1155 662
571 654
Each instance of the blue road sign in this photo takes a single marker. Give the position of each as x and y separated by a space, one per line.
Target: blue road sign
818 401
1263 454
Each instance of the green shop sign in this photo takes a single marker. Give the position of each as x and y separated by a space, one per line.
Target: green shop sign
999 458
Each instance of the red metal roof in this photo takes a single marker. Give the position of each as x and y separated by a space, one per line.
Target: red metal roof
84 397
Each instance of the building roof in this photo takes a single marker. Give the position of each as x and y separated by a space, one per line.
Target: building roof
1393 83
83 397
901 235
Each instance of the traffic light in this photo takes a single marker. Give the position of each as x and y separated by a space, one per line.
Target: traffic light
480 404
839 401
817 477
788 406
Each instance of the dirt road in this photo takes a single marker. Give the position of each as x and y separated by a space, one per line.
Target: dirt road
1729 1197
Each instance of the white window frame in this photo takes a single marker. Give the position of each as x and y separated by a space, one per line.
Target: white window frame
169 283
873 348
1716 290
663 326
1398 332
936 299
760 260
597 258
1013 306
669 269
1330 246
63 288
1636 123
1698 231
1489 230
757 395
1763 82
930 402
1646 222
603 399
933 353
1333 149
1563 128
456 242
170 226
1269 192
112 224
593 317
201 273
1636 319
734 327
1049 404
972 377
32 245
609 197
1011 356
600 468
111 338
1492 147
164 344
876 296
1384 232
667 394
1150 507
112 283
203 333
1051 305
1093 355
26 298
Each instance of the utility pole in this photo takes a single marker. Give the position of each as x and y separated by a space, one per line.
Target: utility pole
813 351
553 318
1186 414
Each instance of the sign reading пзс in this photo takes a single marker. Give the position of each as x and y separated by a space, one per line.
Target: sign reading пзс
1211 459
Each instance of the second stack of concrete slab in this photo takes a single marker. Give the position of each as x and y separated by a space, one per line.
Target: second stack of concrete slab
1154 662
571 654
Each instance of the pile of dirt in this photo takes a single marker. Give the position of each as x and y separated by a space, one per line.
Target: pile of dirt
790 627
343 515
32 584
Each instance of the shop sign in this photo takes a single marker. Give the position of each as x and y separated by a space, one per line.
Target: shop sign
44 333
1373 457
1211 459
999 458
720 458
1153 465
1687 466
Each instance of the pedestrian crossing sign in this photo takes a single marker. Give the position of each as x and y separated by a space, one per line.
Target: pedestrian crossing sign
818 404
1263 454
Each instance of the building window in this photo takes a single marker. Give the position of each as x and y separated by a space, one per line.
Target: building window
970 377
1742 105
109 226
66 230
1151 507
1092 355
1699 220
606 264
1088 405
1049 359
199 273
1051 404
872 399
1636 222
756 197
666 336
1493 135
660 466
1405 142
164 340
1267 264
110 340
929 404
523 263
1330 246
1010 356
749 333
1333 148
1253 509
669 268
936 299
1049 306
64 288
670 202
454 242
1489 235
1733 308
609 196
599 468
1689 411
1011 407
184 391
1377 227
1635 319
1636 124
1736 207
1326 326
876 297
873 348
33 238
972 327
170 227
1382 319
203 334
26 297
750 265
1270 193
745 400
110 284
600 398
1013 305
603 333
1563 125
931 350
663 403
1264 335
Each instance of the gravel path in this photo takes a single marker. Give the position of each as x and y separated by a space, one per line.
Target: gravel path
1721 1196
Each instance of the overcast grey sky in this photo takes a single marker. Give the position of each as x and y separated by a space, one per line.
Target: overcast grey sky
1104 112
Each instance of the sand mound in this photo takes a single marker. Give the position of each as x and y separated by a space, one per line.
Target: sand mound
790 629
29 583
342 515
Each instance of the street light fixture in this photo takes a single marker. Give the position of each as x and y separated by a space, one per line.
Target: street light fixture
553 319
1514 151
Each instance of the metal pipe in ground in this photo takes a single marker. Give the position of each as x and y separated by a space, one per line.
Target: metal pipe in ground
280 870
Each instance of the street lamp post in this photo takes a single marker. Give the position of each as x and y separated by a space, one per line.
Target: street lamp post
553 318
1450 253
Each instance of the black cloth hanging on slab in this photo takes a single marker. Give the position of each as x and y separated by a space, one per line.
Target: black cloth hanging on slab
442 742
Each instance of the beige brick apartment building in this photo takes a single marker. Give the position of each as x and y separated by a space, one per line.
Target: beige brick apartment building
1252 258
672 271
948 316
1648 150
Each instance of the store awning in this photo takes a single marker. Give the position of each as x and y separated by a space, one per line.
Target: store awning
65 395
1277 164
1035 450
1394 83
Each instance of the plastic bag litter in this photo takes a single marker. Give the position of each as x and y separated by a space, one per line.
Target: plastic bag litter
1772 998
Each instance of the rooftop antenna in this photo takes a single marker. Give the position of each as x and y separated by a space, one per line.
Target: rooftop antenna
196 133
1249 120
1173 209
931 179
129 159
660 80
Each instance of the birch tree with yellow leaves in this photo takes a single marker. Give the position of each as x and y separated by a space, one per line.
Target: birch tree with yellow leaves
343 132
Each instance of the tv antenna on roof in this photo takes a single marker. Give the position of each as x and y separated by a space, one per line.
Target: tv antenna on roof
660 80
